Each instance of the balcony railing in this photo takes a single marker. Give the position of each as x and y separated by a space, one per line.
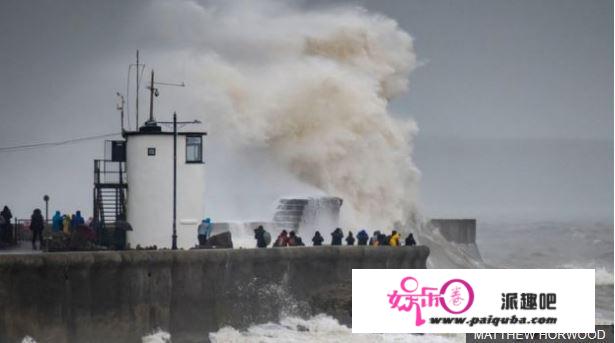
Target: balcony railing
109 172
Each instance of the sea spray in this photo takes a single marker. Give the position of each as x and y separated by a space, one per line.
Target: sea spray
308 90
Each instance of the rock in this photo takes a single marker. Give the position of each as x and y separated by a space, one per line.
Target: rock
219 241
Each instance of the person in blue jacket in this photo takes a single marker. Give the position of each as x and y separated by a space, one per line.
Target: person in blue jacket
204 231
77 220
56 222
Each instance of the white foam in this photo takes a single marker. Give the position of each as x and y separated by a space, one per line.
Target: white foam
158 336
320 328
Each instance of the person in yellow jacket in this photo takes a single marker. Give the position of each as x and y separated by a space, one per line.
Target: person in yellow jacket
66 224
394 241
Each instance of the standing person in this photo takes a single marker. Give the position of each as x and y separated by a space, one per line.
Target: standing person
2 228
56 222
410 240
6 234
37 225
263 238
362 237
317 239
336 236
394 240
375 240
350 238
66 227
383 239
294 240
77 220
204 230
282 239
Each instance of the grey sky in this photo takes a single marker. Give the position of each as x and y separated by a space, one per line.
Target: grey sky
514 101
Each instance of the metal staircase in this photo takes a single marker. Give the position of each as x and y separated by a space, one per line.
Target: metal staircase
110 189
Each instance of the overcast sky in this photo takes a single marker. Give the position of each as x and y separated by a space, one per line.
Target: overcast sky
514 100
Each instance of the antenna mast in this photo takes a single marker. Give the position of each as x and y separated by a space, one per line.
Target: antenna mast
120 107
150 124
137 96
152 91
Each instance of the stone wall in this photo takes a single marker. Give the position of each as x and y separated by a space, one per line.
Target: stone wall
121 296
457 230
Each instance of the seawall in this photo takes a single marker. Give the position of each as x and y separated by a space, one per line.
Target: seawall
121 296
452 243
457 230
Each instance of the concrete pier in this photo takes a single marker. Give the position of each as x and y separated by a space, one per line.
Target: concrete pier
121 296
457 230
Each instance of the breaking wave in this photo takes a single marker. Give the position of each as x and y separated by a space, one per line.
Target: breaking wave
308 90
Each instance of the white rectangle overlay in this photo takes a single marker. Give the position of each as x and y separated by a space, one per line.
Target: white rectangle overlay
472 300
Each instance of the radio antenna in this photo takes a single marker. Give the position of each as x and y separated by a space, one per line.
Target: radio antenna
137 96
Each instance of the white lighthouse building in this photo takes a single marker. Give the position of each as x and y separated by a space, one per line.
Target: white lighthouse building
149 169
155 181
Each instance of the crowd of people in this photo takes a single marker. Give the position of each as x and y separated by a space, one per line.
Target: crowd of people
289 239
61 225
68 224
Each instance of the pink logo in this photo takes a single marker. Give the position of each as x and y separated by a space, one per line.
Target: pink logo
455 297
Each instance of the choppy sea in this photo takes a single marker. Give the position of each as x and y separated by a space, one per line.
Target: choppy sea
501 245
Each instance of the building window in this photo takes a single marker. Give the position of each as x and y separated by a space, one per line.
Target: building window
194 149
151 151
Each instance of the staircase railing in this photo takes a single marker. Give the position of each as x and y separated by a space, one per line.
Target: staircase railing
109 172
109 195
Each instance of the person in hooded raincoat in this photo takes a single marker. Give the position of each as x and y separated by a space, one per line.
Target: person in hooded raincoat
336 236
362 237
375 240
350 238
204 231
56 222
394 240
5 230
282 239
317 239
37 225
294 240
66 227
77 220
263 238
383 239
2 226
410 240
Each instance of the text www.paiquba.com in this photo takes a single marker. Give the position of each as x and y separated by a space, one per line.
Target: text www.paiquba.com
495 321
